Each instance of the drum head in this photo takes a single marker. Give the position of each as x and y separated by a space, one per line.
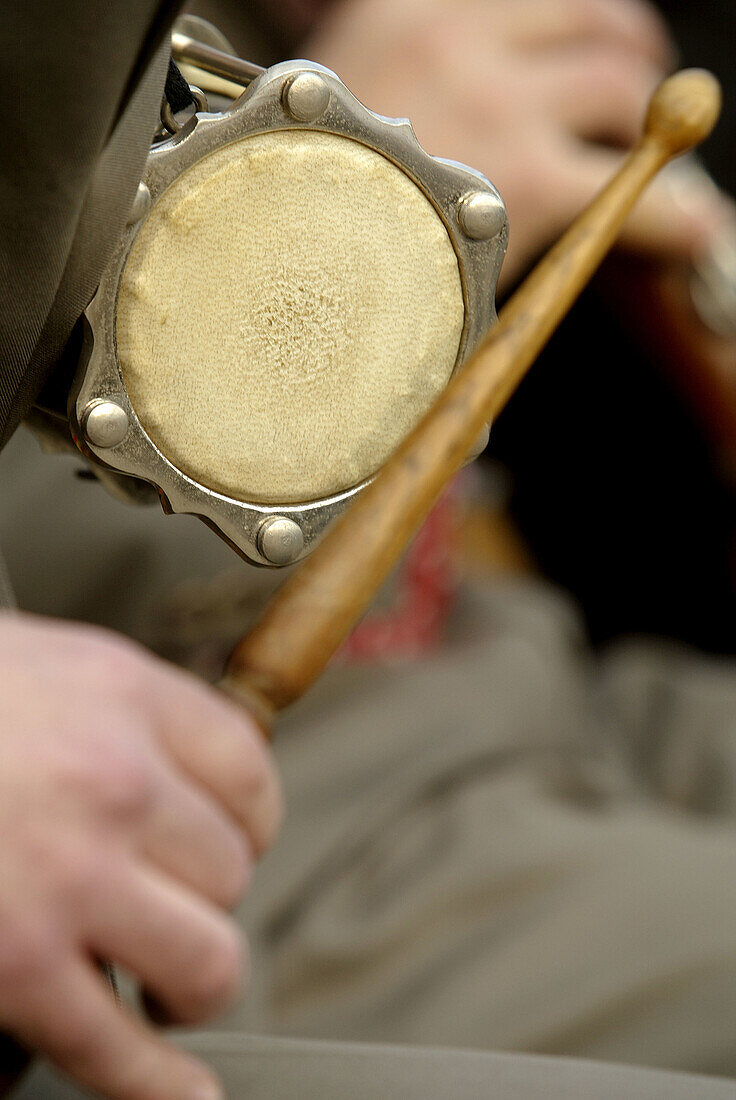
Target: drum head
290 309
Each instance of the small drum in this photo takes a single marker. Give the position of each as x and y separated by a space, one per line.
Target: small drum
298 282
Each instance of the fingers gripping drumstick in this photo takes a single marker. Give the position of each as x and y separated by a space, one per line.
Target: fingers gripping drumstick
317 607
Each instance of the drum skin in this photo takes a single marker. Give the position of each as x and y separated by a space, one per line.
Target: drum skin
290 309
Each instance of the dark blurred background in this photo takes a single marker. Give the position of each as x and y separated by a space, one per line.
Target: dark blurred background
617 486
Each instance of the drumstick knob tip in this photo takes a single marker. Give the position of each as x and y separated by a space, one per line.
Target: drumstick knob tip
684 110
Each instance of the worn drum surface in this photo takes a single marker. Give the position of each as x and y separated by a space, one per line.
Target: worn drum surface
297 284
334 321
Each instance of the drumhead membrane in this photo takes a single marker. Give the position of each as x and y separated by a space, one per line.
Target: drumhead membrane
290 309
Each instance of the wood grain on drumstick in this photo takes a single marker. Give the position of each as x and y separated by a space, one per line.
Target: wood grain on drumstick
318 606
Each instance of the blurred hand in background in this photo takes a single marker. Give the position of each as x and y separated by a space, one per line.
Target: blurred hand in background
537 94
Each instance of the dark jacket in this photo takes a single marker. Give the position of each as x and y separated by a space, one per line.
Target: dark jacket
83 86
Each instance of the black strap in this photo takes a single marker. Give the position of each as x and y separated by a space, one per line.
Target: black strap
177 91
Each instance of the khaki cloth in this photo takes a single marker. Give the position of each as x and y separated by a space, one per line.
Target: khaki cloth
254 1068
512 845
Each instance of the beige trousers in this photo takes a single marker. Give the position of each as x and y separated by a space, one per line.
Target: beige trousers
513 845
281 1069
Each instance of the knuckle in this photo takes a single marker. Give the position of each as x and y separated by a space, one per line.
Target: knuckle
236 876
250 776
127 790
624 83
247 765
609 72
220 972
136 664
81 771
110 777
83 873
73 868
115 665
27 952
125 667
257 791
69 865
74 1047
623 77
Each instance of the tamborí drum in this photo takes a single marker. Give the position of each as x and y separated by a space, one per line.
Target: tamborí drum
298 282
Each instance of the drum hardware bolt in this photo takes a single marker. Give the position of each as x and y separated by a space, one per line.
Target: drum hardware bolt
141 204
481 215
306 96
105 423
280 540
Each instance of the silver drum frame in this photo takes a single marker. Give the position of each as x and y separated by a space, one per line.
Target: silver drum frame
468 204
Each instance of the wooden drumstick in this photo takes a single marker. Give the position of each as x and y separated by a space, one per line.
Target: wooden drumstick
318 606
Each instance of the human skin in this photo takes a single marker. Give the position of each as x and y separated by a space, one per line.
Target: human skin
537 94
133 803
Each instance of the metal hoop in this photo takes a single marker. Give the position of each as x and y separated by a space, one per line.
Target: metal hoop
283 98
168 119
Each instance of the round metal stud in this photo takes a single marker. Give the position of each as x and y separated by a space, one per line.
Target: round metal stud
141 204
280 540
306 97
481 215
105 423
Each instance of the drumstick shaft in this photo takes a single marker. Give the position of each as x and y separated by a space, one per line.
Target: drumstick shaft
318 606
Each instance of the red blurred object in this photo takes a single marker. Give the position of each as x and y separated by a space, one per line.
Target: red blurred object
421 598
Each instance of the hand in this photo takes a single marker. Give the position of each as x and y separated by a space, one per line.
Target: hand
133 801
534 93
